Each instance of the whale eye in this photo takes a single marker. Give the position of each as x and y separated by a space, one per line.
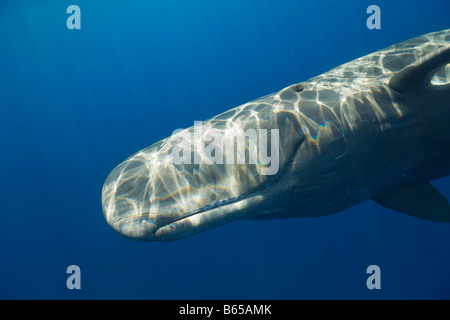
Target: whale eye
298 88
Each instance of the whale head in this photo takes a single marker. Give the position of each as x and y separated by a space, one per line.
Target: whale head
215 172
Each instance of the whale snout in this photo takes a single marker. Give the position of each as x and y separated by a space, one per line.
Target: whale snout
121 206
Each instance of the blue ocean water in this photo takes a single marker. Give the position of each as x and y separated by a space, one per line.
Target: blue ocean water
76 103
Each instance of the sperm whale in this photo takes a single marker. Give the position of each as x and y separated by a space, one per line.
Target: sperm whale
376 128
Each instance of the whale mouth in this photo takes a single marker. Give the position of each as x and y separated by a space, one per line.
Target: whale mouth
166 227
209 217
128 220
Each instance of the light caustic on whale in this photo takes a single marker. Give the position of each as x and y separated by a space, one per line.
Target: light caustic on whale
375 128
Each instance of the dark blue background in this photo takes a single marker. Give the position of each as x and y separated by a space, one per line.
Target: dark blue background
76 103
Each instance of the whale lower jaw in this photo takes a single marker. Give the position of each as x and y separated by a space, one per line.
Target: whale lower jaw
208 219
135 227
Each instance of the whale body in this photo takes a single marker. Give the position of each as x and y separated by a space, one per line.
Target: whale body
377 128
